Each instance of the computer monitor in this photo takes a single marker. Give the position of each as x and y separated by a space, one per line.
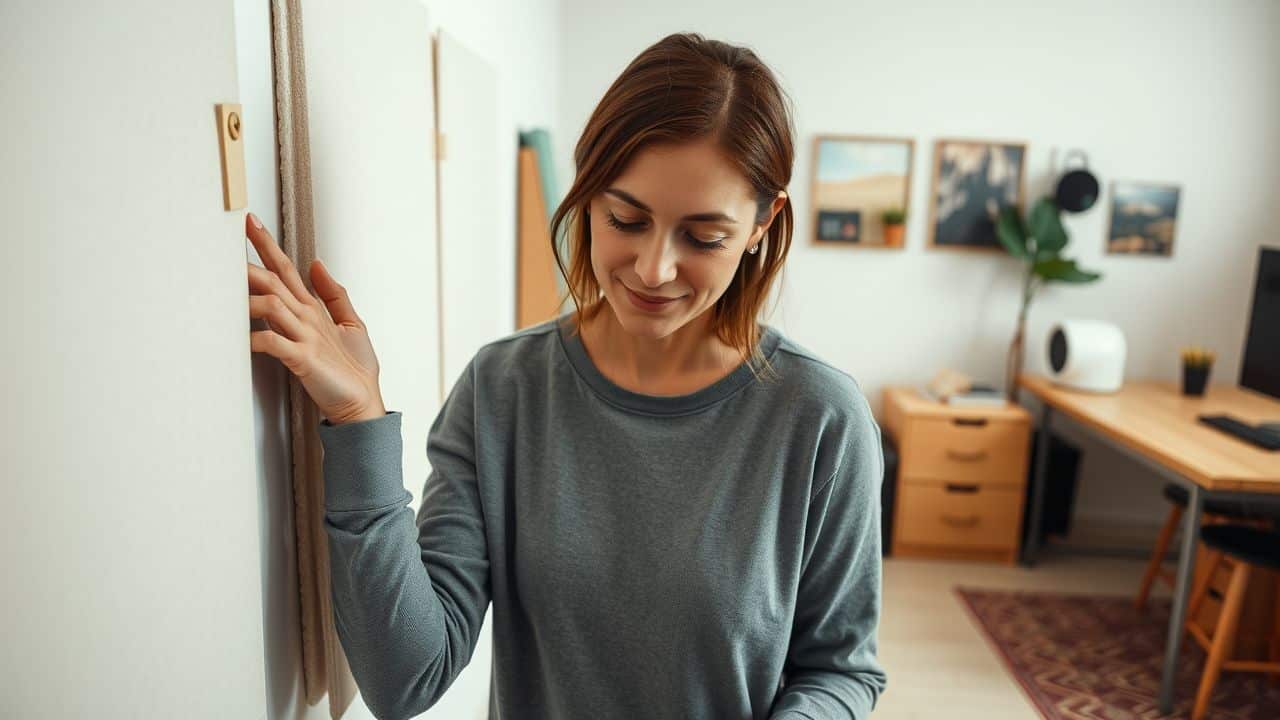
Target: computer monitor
1260 370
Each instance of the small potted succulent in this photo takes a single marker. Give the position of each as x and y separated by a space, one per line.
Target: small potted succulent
895 223
1196 364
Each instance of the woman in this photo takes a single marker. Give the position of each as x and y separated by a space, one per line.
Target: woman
664 530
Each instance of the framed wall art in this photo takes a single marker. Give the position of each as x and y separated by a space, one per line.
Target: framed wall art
1143 218
972 181
860 189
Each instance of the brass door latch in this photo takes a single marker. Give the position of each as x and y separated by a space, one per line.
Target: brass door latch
231 147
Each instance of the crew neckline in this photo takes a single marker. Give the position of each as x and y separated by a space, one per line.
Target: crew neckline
658 404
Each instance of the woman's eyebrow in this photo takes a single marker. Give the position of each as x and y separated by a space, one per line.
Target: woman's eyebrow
697 217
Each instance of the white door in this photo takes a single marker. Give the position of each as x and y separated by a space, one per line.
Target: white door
477 253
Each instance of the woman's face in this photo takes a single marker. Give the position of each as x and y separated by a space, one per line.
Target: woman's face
674 225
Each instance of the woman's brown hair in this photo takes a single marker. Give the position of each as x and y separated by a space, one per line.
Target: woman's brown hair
686 88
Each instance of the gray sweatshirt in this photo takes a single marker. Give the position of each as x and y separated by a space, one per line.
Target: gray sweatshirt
712 555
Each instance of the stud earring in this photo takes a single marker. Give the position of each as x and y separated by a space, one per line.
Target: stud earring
755 249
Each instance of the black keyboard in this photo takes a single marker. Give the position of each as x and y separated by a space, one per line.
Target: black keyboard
1264 439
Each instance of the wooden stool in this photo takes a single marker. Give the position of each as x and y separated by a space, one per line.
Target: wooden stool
1241 547
1178 496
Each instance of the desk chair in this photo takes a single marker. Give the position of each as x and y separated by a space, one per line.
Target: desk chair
1179 497
1242 547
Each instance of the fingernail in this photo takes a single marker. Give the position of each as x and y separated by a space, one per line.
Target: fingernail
256 222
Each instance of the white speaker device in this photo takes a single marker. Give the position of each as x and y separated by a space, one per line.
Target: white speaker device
1086 355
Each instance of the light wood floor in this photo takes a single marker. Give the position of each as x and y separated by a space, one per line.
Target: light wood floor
939 664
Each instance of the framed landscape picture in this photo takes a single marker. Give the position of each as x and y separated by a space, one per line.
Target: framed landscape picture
858 180
972 181
1143 218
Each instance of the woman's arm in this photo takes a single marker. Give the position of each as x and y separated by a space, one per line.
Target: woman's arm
831 669
407 613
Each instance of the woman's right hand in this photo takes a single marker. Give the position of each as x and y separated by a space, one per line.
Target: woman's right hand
332 358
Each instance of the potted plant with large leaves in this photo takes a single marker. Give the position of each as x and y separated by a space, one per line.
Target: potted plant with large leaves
1037 240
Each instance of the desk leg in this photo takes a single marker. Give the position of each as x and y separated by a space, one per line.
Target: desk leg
1039 483
1181 593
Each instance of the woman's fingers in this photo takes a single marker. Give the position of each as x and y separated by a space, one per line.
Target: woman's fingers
335 363
265 282
275 345
274 309
281 278
274 259
333 295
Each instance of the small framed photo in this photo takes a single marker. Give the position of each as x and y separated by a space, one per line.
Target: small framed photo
972 181
860 189
1143 218
840 226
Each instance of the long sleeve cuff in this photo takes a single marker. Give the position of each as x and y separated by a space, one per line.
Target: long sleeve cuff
825 696
363 463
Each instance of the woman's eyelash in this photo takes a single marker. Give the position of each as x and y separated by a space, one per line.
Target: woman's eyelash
634 227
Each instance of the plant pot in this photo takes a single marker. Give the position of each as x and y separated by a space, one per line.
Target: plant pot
893 234
1194 379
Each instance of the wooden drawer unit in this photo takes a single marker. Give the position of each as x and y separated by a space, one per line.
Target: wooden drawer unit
968 448
971 516
961 477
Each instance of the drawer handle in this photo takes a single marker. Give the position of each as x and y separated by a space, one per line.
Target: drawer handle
971 456
960 520
972 422
961 488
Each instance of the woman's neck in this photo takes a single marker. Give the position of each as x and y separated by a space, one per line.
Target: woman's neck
683 362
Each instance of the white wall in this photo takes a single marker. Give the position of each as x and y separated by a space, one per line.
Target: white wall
1175 92
131 585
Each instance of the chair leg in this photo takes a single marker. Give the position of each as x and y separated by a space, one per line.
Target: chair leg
1275 641
1224 636
1201 589
1157 555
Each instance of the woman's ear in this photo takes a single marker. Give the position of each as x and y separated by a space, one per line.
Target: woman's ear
774 209
778 202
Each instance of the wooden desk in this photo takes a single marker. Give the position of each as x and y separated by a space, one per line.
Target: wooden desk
1153 422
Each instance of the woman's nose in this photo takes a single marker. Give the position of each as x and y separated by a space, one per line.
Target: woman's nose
656 263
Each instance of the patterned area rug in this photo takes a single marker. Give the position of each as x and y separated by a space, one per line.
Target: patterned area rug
1087 657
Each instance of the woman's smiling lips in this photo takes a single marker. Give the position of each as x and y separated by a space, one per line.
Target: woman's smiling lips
648 302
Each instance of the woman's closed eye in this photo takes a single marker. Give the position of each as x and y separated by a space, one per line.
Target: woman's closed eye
633 227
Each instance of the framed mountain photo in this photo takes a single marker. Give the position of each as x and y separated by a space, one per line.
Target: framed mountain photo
972 181
1143 218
